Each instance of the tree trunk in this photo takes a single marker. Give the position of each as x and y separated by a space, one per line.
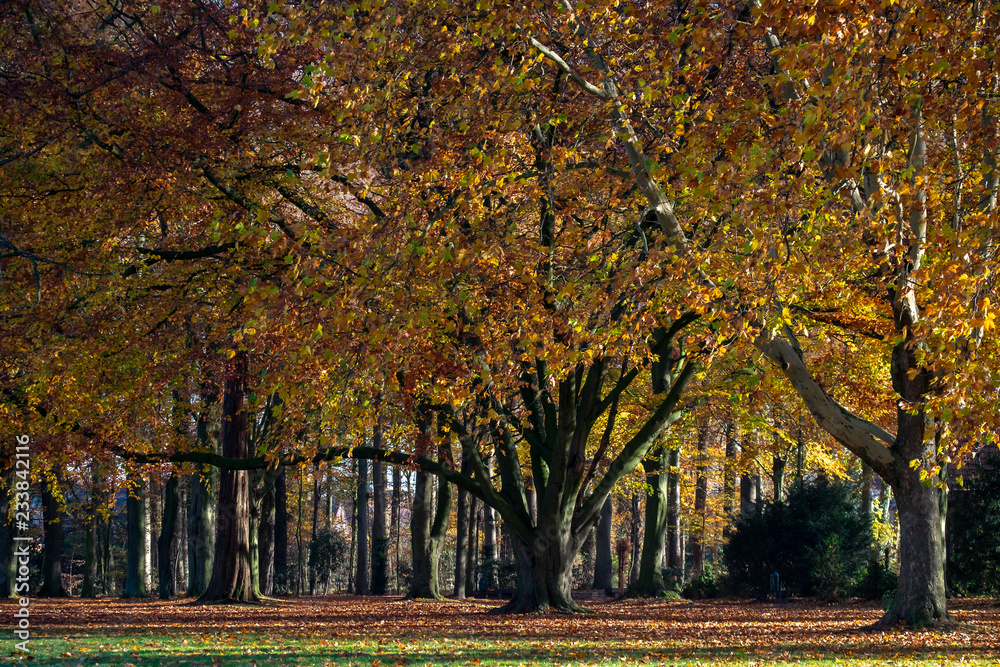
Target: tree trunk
700 501
266 538
316 495
361 580
135 563
867 482
52 554
380 536
650 583
748 496
165 543
201 516
281 532
232 576
152 529
603 567
473 542
462 536
545 574
674 553
394 523
729 481
636 530
180 555
8 561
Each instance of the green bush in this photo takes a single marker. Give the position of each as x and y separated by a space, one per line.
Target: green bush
703 586
974 534
816 541
327 554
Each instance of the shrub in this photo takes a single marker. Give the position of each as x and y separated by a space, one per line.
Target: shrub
327 552
705 585
974 534
816 541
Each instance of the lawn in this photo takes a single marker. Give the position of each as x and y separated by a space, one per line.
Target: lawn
342 630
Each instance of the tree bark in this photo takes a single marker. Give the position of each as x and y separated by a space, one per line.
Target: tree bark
53 551
603 567
748 496
316 495
166 542
700 500
201 515
380 536
729 481
462 536
232 575
674 552
8 561
636 530
429 523
778 477
135 562
362 583
266 539
473 545
650 583
394 519
281 532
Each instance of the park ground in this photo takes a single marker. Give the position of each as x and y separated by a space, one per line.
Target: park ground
344 630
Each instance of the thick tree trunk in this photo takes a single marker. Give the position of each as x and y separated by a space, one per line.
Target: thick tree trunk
266 540
362 583
281 532
135 562
165 543
650 581
424 583
181 548
380 536
232 575
674 552
603 567
748 496
545 572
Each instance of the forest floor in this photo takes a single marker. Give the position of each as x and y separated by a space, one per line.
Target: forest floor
344 630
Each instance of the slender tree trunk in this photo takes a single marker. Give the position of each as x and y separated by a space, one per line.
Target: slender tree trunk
729 481
636 535
462 536
674 553
180 555
281 532
90 555
201 515
362 581
135 562
473 541
107 558
166 542
313 570
650 581
700 500
603 568
232 575
588 553
748 496
8 561
867 482
266 538
778 478
152 529
380 536
397 497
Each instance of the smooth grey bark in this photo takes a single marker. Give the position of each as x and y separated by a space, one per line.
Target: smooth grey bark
471 561
362 579
673 546
166 543
462 535
700 499
266 539
316 495
748 495
135 561
636 530
650 583
232 573
201 513
489 559
281 531
430 516
603 567
394 518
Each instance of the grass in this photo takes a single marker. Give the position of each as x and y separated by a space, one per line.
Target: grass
342 630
